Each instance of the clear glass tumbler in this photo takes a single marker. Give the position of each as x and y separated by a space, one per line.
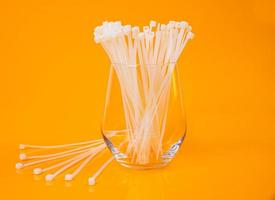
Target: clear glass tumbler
144 121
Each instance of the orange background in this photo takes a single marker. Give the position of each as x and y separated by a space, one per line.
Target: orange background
53 80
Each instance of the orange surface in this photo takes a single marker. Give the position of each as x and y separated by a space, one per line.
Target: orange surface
53 80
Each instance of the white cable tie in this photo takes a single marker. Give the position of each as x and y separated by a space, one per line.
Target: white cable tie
92 179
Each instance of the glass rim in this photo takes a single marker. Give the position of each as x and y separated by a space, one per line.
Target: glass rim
143 64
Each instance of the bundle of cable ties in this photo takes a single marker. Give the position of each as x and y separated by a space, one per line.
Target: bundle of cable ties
162 45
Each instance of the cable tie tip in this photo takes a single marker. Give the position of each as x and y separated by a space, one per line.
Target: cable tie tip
22 146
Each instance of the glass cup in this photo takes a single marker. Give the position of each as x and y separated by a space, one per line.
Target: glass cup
144 121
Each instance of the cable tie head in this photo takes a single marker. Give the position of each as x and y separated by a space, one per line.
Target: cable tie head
141 36
22 146
68 177
118 23
190 35
49 177
37 171
153 23
128 26
22 156
135 31
169 26
98 29
91 181
19 165
177 25
184 23
127 29
105 23
97 39
146 29
172 24
162 27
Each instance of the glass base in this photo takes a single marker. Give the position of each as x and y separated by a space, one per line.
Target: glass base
124 160
144 167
